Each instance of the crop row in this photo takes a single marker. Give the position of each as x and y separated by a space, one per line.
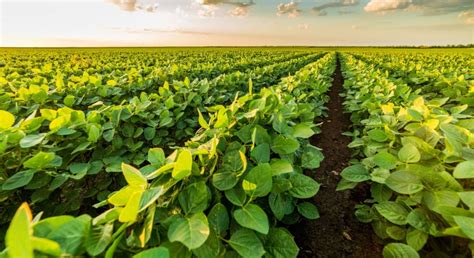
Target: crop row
222 193
416 153
89 141
434 75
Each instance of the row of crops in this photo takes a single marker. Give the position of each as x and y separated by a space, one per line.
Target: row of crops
201 152
413 127
205 167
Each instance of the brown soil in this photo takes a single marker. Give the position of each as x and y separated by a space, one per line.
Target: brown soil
337 233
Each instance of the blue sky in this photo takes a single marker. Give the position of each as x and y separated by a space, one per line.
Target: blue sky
235 22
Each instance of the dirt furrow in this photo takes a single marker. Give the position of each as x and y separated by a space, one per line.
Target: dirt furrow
337 233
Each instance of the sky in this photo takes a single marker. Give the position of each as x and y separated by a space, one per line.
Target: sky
79 23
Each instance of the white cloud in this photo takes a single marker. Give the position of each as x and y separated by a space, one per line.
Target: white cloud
216 2
427 7
133 5
467 17
386 5
239 11
207 11
126 5
209 7
290 9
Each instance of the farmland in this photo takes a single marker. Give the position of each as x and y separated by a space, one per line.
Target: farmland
237 152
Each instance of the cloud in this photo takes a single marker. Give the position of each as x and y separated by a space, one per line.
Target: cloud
239 11
207 11
290 9
126 5
133 5
341 3
217 2
467 17
386 5
209 7
427 7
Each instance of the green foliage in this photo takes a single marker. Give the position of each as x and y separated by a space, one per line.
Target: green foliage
202 192
413 129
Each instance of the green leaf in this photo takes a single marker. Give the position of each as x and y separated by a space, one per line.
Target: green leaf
404 182
134 177
99 238
308 210
156 157
464 170
192 231
284 145
280 244
130 212
434 199
396 232
18 237
183 166
416 238
236 196
219 218
40 160
46 246
150 195
377 135
281 204
345 184
280 166
194 198
261 153
246 243
149 133
202 122
409 154
157 252
32 140
467 198
79 169
18 180
420 220
302 131
212 248
303 186
258 182
93 132
224 180
121 197
466 224
393 212
6 120
379 175
72 234
355 173
311 157
385 160
397 250
69 100
253 217
176 249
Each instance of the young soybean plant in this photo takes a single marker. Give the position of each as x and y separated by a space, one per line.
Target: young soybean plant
221 195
